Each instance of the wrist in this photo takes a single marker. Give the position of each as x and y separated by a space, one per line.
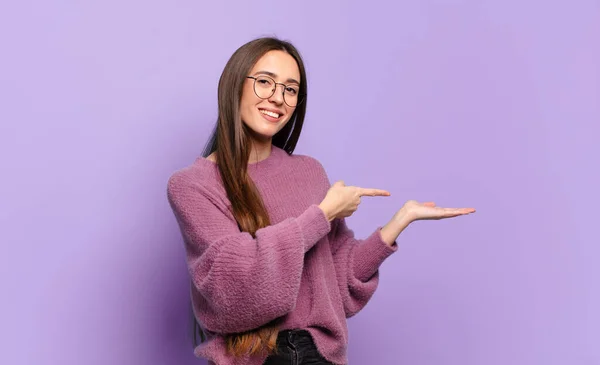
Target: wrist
327 212
391 231
403 217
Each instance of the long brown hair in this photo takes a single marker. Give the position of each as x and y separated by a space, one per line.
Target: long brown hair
232 144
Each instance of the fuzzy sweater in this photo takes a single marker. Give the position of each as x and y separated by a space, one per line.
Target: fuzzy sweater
302 269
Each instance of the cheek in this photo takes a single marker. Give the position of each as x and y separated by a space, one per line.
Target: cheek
247 104
289 113
248 96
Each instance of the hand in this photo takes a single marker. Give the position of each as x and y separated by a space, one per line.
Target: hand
414 211
342 201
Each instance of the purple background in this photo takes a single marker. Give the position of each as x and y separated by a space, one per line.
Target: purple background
491 104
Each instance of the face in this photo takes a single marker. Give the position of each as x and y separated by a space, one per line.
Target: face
266 117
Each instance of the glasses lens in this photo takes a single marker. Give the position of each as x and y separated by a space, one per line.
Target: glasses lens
264 87
291 95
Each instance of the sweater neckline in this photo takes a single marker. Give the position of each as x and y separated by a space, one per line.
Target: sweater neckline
272 160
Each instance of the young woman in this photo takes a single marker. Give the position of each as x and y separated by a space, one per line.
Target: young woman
275 270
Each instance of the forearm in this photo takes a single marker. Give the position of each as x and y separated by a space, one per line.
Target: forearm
358 261
398 223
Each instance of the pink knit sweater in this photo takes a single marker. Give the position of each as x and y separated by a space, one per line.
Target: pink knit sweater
309 273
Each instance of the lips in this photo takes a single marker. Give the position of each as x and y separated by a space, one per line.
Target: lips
271 113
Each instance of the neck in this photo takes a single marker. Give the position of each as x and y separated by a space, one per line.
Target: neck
260 150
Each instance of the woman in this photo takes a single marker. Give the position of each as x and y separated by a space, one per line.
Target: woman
275 269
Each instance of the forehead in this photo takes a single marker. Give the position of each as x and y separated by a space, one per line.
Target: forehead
280 63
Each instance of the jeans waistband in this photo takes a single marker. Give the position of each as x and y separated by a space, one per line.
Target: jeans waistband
293 337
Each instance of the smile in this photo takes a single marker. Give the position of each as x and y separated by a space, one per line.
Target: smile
269 113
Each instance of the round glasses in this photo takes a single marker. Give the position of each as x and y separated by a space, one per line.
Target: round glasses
265 86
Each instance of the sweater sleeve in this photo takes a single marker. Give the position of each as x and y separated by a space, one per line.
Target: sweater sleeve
244 282
357 264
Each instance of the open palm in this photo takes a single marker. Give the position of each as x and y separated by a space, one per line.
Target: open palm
428 210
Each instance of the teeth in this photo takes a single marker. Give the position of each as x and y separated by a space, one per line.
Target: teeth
271 114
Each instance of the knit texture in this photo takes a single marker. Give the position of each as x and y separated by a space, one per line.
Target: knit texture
302 269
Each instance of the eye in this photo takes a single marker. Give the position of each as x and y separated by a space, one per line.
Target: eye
263 81
291 90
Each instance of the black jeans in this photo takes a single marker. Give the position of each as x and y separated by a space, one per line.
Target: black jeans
296 347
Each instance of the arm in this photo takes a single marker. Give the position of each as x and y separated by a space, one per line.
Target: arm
244 282
357 263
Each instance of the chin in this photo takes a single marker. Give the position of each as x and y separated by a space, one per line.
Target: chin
268 130
263 134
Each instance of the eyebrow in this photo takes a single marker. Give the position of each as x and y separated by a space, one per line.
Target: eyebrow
268 73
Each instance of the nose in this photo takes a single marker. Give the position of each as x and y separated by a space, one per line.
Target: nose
277 96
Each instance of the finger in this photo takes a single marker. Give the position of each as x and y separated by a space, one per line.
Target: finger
458 211
339 183
429 204
373 192
467 210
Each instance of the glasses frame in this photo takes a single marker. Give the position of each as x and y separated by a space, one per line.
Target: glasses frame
300 95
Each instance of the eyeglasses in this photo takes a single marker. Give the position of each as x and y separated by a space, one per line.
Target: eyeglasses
264 88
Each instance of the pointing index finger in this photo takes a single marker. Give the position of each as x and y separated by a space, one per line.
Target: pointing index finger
373 192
